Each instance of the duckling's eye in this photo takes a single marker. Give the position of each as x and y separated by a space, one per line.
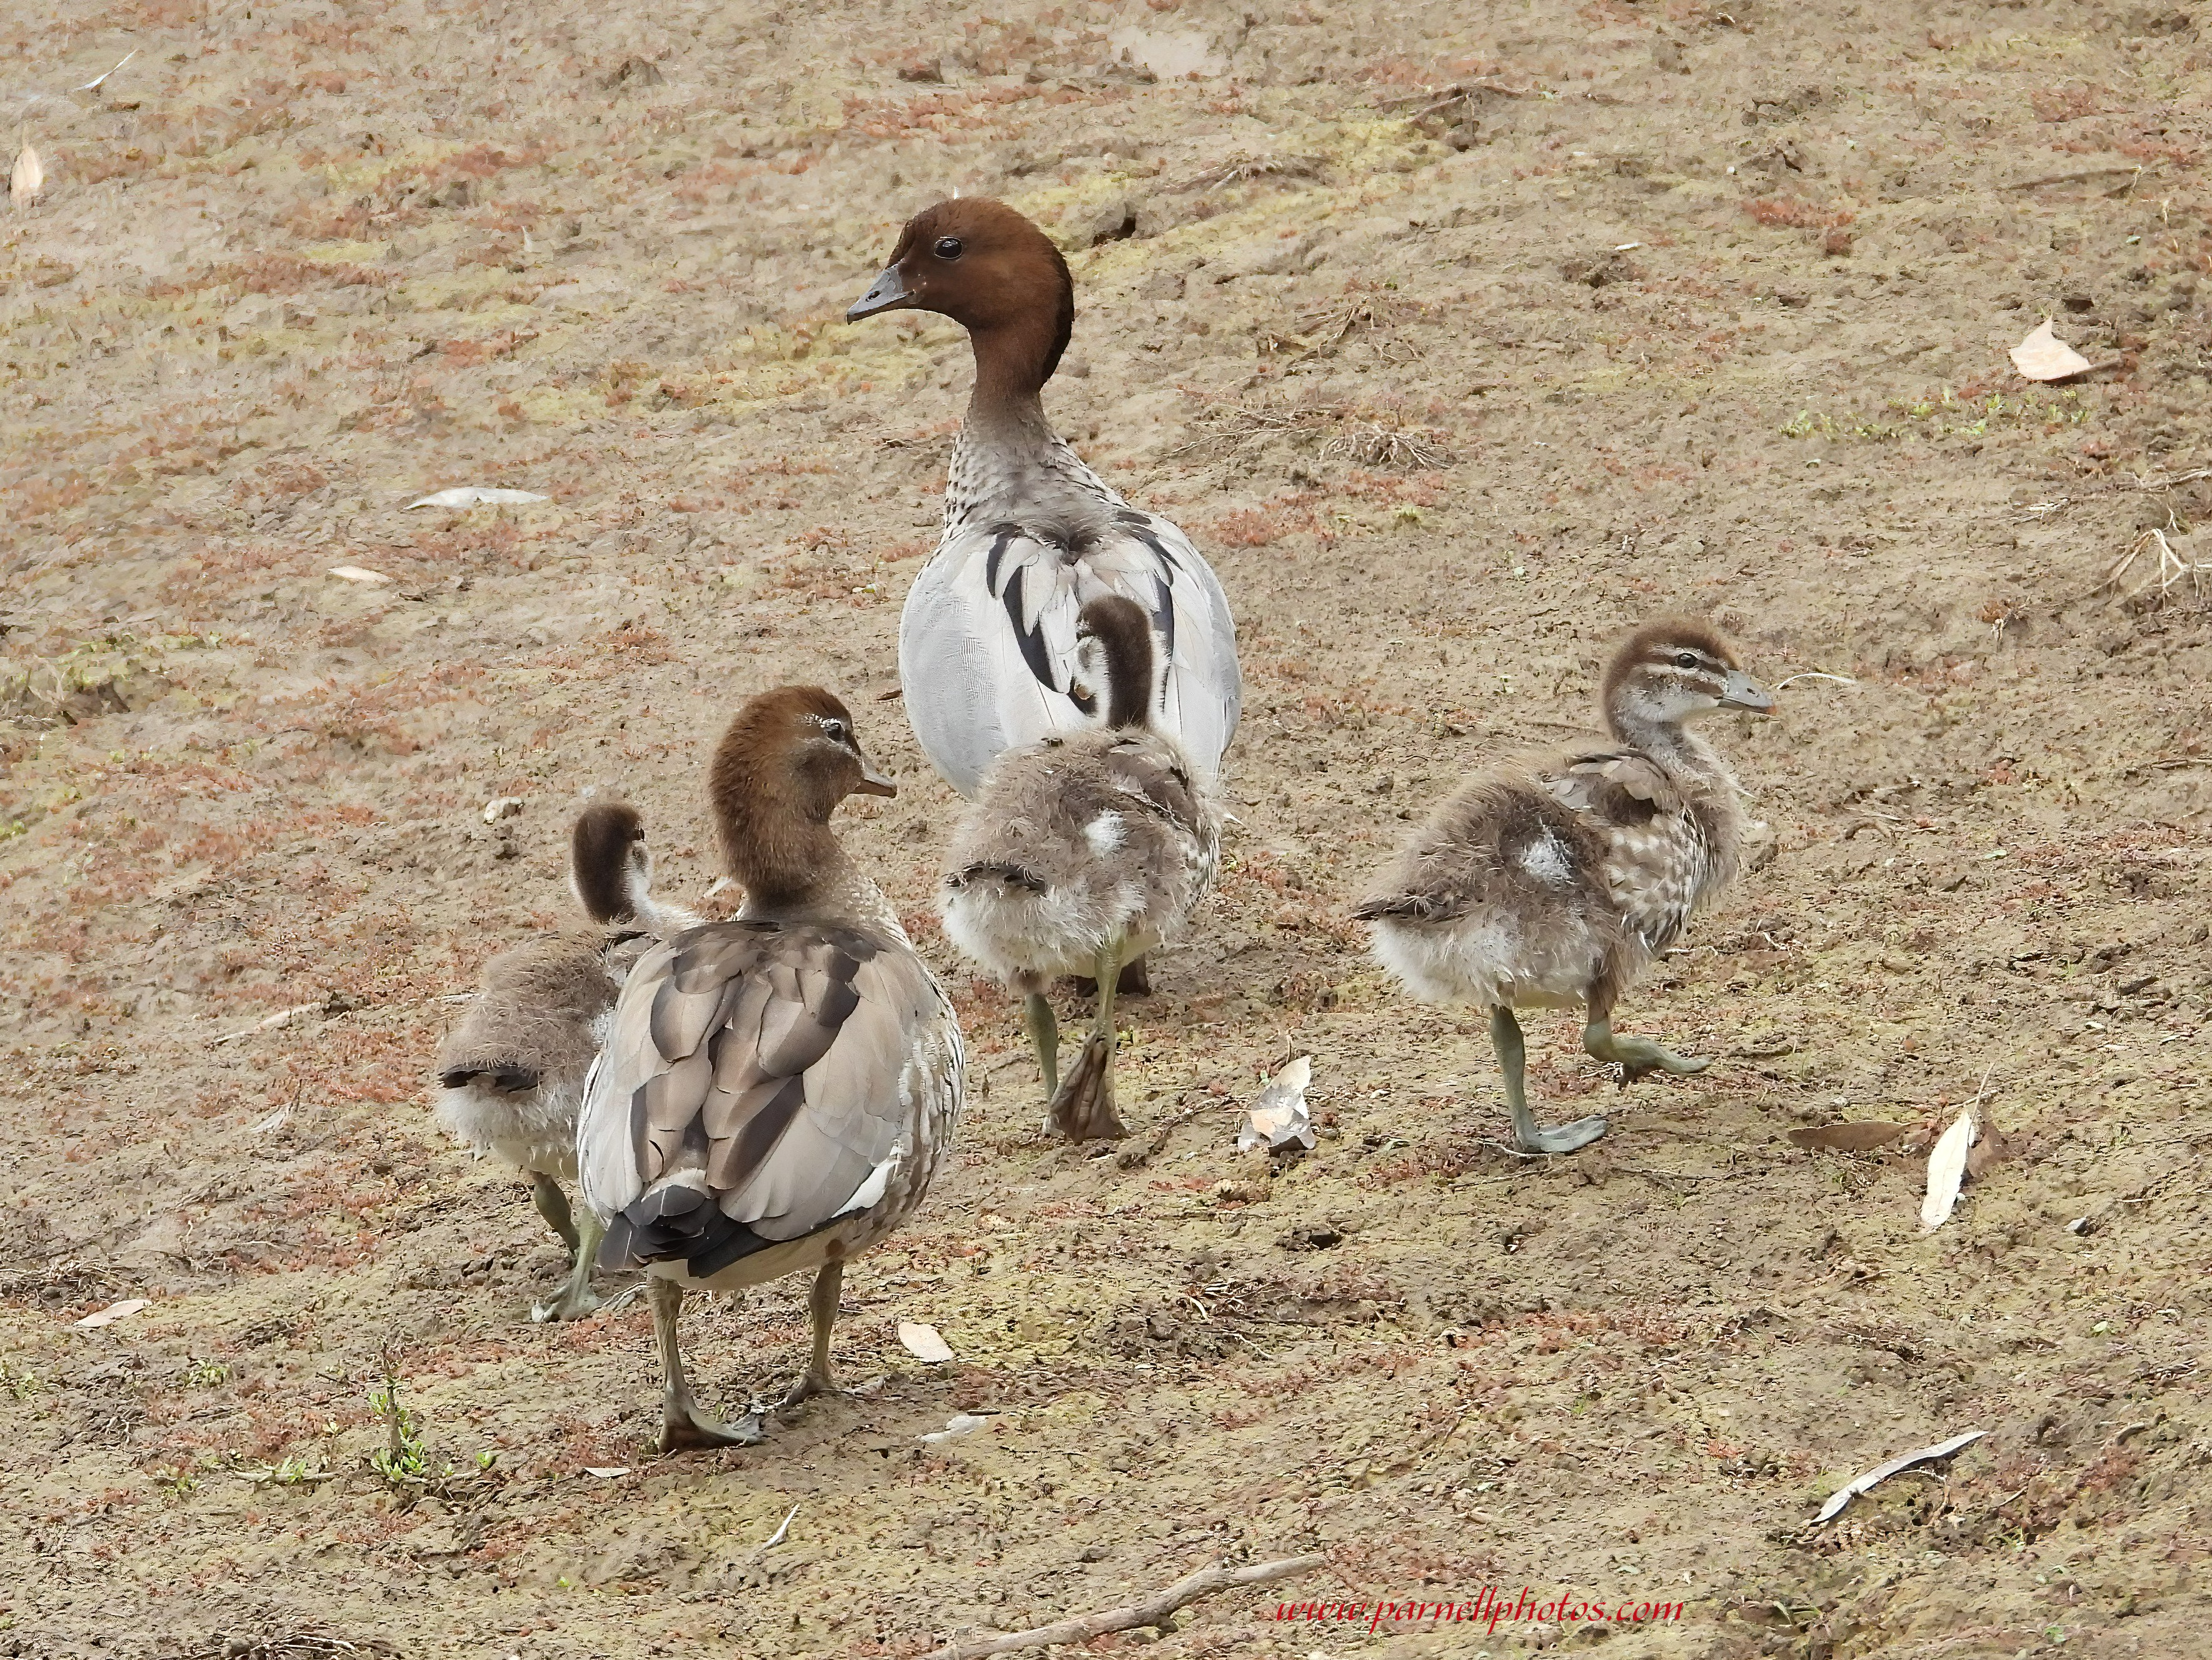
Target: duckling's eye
948 247
835 731
1685 659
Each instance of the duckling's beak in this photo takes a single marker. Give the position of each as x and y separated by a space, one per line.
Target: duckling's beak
1745 693
887 293
874 783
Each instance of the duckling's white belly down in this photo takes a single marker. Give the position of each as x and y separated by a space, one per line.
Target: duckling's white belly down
1021 935
533 1129
1490 961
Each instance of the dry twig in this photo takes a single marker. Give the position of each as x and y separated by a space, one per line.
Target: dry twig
1461 92
1155 1611
1242 169
2172 571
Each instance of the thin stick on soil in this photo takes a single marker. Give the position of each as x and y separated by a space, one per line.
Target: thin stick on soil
1155 1610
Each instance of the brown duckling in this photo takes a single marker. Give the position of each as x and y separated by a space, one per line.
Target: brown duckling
511 1075
776 1089
1082 853
1553 885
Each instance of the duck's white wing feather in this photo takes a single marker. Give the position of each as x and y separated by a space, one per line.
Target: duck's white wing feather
987 643
756 1082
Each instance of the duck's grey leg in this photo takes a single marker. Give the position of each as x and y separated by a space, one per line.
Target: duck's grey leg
1512 1061
1044 1038
1082 1107
553 1205
682 1425
1635 1055
577 1298
821 1316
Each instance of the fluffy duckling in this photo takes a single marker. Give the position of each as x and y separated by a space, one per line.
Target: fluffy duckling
1553 885
776 1089
1083 853
988 639
512 1073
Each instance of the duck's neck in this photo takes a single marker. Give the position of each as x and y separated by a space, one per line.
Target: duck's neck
1009 462
794 869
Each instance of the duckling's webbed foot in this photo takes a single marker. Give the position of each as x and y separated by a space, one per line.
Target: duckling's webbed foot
1082 1107
1635 1056
577 1299
1512 1061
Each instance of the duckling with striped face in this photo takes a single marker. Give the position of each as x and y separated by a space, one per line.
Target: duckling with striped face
1553 885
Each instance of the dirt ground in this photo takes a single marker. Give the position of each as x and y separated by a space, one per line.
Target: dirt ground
1461 339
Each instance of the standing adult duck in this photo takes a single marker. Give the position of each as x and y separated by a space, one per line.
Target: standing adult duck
511 1075
776 1089
1082 853
1555 884
988 639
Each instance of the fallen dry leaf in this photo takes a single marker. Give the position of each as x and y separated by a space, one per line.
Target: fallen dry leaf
1947 1169
112 1312
2043 357
606 1472
1846 1138
27 179
1858 1484
923 1343
1279 1118
472 496
358 574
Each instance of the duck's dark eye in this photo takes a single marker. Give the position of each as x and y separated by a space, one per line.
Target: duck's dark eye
835 731
1685 659
948 247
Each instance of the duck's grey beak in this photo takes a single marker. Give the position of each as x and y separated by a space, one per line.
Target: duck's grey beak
873 782
887 293
1745 693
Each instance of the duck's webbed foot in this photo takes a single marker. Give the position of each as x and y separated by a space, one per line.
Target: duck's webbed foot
685 1428
1635 1056
1512 1061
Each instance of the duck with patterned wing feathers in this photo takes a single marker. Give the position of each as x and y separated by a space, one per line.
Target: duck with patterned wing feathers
511 1075
1554 885
1082 852
777 1089
988 639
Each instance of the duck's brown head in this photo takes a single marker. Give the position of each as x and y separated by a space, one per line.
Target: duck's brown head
786 760
1676 670
609 867
989 270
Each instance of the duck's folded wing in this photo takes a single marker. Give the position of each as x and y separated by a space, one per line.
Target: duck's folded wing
753 1088
987 639
1618 787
